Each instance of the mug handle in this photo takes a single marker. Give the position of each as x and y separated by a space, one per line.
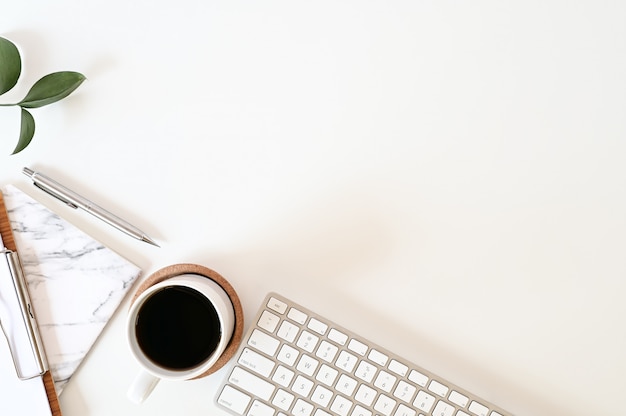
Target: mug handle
142 386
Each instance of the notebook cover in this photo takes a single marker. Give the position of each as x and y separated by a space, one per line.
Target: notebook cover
75 282
35 396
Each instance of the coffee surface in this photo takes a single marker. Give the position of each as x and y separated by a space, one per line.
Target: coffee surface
177 328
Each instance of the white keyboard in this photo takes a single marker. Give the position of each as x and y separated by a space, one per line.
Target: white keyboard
295 362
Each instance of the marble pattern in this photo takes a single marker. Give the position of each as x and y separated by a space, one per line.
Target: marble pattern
75 283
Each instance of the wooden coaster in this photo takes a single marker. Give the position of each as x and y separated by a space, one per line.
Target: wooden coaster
185 268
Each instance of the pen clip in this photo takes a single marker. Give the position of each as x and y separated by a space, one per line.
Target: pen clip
59 197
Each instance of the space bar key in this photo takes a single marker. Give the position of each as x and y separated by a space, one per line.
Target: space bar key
251 383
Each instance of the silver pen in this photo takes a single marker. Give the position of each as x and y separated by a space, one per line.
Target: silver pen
73 200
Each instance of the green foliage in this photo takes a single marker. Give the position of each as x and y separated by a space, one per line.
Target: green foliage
49 89
10 65
27 131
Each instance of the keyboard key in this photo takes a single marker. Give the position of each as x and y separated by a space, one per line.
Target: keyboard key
378 357
438 388
259 408
277 305
302 386
405 391
341 406
424 401
297 316
404 411
478 409
288 355
268 321
398 368
365 395
418 378
443 409
288 331
252 384
317 326
263 342
346 385
256 362
327 351
234 400
283 376
307 365
459 399
327 375
338 336
360 411
494 413
307 341
358 347
385 405
321 395
283 399
302 408
385 381
365 371
346 361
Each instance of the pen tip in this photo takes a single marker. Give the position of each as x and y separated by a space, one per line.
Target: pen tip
149 240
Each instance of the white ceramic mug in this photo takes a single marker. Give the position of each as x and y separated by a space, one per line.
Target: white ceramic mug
177 329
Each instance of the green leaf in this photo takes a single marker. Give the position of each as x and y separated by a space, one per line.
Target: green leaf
27 131
51 88
10 65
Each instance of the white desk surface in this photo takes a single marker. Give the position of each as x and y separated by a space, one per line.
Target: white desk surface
446 178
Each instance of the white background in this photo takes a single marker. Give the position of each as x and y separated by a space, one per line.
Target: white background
446 178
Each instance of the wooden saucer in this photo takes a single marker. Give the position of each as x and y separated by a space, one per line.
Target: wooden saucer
186 268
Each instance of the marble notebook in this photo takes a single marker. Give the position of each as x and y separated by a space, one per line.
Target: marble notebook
75 283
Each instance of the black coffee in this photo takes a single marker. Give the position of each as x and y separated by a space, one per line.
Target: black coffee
177 328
